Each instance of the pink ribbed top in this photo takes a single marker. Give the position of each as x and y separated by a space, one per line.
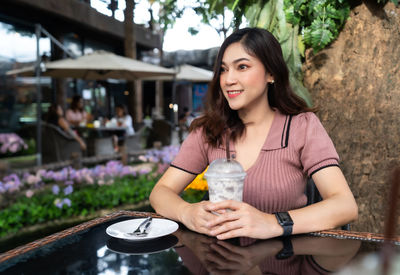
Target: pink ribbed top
295 148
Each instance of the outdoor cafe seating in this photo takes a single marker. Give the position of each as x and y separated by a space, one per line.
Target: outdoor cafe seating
57 145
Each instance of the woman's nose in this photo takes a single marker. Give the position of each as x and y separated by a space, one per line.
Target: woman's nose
230 77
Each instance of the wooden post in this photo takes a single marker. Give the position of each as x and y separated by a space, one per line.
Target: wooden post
159 100
134 96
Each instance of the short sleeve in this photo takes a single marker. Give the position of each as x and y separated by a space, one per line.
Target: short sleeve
192 156
316 148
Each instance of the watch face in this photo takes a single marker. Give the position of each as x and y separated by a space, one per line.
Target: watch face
285 218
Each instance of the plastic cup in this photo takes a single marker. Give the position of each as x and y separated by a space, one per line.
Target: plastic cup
225 180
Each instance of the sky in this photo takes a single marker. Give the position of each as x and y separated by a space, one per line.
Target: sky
177 38
23 48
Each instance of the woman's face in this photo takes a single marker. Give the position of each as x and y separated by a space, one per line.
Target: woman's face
243 78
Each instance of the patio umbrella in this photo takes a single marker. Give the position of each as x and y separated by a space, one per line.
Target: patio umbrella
99 65
186 72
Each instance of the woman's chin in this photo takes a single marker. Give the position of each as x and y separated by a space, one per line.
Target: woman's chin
235 106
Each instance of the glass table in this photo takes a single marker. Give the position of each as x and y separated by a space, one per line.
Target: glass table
87 249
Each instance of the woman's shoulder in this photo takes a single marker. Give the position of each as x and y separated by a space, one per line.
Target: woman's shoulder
305 124
197 132
305 118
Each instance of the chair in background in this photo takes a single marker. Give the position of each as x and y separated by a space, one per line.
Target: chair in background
57 145
100 146
161 131
136 142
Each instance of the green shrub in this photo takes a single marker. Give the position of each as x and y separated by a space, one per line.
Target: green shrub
84 200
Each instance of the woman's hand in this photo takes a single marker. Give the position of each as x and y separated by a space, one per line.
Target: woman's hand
196 217
221 257
243 221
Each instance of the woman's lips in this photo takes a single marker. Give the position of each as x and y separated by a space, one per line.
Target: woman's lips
235 93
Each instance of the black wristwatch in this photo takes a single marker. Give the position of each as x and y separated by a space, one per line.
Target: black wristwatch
285 221
287 250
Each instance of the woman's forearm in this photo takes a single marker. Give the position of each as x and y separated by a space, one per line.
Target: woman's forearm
326 214
167 203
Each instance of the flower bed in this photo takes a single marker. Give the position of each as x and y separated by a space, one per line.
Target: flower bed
11 143
66 193
32 199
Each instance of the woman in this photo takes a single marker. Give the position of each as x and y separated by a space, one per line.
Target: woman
55 116
76 115
275 137
121 119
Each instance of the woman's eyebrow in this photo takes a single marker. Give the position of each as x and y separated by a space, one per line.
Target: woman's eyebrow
237 60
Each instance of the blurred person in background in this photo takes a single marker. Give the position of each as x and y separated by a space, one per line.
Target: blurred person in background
76 115
55 116
121 119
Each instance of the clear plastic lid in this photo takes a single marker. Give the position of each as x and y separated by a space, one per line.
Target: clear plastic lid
222 168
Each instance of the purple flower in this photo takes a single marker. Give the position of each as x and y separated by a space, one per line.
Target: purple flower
144 171
31 179
12 143
69 182
56 189
29 193
68 190
67 201
60 203
12 177
89 179
11 186
2 188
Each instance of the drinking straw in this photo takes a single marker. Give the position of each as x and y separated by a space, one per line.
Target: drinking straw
228 155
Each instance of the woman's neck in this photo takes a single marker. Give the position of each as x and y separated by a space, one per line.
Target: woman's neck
257 116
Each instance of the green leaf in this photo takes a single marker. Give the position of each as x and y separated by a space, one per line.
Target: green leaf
321 38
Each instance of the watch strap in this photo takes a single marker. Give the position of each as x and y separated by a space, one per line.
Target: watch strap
287 230
285 221
287 250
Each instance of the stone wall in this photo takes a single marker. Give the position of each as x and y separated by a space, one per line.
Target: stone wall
356 84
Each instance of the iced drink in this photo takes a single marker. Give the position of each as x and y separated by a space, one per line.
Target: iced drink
225 180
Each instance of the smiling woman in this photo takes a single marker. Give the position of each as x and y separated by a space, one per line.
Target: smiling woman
276 138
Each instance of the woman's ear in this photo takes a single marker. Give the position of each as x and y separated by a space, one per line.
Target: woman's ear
270 78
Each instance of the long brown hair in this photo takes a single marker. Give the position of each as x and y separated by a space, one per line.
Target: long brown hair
218 116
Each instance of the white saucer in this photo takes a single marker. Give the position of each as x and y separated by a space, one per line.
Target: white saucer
157 229
140 248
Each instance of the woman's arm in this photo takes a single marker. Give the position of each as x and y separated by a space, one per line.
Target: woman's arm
63 123
166 201
338 207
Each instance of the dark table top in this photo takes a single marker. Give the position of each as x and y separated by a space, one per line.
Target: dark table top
87 249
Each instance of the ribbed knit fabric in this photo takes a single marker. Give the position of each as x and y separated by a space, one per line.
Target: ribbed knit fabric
296 147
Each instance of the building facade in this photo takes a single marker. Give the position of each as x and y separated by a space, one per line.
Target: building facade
81 29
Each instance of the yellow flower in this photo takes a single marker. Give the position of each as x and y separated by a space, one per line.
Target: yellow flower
199 183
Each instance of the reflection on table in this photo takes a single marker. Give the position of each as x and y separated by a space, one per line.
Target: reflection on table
87 249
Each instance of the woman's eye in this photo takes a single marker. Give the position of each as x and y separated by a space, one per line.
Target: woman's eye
223 69
242 67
